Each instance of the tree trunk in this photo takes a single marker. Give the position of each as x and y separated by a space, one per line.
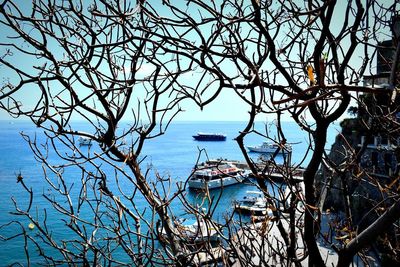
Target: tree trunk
314 258
369 235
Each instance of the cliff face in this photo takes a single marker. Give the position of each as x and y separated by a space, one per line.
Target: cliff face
359 172
365 181
340 153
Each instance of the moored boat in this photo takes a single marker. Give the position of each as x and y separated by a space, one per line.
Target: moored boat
254 203
84 141
203 239
197 230
267 147
209 137
211 175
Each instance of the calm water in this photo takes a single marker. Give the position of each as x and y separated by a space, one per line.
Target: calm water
174 154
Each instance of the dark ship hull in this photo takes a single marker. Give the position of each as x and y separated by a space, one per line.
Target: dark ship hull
209 137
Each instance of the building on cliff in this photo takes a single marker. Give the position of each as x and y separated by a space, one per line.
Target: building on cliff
370 149
379 113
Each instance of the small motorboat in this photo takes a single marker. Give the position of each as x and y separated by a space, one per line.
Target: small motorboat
254 203
203 239
267 147
209 137
197 230
84 141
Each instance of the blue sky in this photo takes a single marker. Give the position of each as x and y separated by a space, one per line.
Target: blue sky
227 107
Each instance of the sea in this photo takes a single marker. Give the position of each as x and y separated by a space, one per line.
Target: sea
172 155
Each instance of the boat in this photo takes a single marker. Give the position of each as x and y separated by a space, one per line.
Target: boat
84 141
197 230
216 174
209 137
268 147
254 203
209 256
202 239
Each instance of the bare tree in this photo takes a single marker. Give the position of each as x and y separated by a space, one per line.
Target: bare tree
108 61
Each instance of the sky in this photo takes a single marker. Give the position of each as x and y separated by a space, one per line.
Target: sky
227 107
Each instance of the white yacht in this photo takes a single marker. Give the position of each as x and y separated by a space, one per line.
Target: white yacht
267 147
213 175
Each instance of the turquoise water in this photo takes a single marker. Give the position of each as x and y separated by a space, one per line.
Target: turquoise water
173 154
